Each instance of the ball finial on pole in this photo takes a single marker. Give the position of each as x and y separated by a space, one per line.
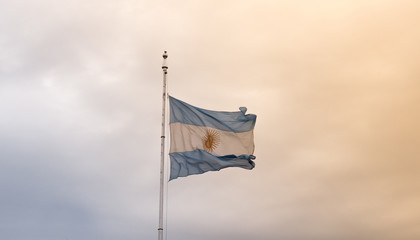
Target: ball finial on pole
164 66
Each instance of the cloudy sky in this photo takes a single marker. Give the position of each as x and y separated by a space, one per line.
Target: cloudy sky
335 86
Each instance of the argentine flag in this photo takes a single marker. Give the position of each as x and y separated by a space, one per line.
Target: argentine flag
204 140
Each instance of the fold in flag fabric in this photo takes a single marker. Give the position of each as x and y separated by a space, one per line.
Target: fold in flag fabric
204 140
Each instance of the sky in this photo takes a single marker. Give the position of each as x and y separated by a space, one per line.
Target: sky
335 86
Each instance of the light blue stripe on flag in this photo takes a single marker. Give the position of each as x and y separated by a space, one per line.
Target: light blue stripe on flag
200 161
204 140
227 121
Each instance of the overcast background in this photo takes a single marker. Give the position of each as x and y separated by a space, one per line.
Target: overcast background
335 86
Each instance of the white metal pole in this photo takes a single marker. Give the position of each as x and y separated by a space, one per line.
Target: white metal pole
162 154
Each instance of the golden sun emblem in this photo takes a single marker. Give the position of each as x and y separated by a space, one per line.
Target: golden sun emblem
211 140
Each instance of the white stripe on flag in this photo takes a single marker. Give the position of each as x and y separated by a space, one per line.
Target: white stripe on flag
185 137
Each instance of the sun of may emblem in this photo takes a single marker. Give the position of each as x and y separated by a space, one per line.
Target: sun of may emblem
211 140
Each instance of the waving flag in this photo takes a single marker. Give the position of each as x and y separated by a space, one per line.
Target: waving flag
204 140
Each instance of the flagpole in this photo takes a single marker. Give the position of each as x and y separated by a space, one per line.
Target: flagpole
162 154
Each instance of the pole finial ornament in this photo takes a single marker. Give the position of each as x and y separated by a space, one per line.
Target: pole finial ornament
164 66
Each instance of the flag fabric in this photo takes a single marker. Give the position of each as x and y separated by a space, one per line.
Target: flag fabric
204 140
